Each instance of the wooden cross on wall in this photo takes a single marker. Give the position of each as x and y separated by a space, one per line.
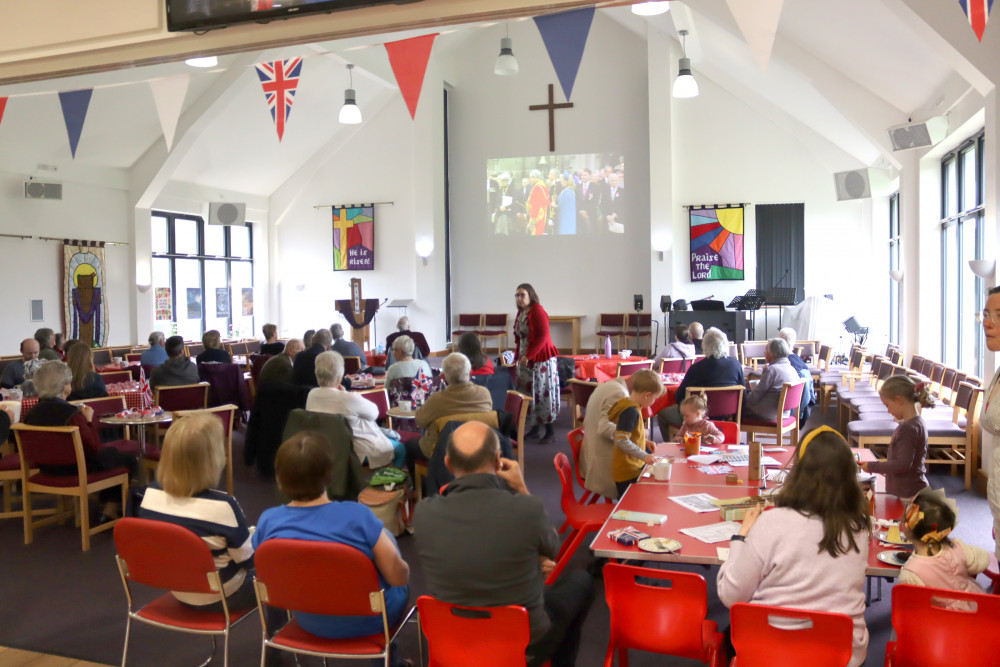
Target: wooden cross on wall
551 108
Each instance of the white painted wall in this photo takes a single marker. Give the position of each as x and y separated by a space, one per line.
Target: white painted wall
32 269
490 119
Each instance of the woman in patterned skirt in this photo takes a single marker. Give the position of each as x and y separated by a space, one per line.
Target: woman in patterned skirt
537 375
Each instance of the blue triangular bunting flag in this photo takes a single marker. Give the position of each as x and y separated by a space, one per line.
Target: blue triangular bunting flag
565 36
74 106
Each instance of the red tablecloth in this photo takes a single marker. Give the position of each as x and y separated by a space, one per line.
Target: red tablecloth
600 368
375 359
133 399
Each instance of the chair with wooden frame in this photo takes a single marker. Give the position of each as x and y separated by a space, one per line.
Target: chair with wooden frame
352 365
752 352
723 402
467 323
342 582
61 446
831 381
109 406
170 557
238 349
102 356
788 401
194 348
580 391
380 397
494 326
421 467
179 397
111 377
626 368
610 324
11 474
224 412
132 357
671 365
120 351
641 323
519 405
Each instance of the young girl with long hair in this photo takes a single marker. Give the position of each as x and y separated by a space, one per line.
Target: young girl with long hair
905 465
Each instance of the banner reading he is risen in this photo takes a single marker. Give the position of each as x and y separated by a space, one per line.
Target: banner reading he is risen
717 243
354 237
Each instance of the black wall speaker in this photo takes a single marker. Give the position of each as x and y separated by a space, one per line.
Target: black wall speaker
665 303
637 302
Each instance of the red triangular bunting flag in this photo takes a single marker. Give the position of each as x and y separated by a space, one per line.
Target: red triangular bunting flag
409 58
3 105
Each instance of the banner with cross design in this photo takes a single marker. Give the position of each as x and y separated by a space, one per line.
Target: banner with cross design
354 237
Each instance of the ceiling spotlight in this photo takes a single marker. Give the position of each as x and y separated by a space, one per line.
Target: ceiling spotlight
207 61
650 8
506 62
350 114
685 84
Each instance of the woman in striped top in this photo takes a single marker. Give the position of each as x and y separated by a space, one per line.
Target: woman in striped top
191 463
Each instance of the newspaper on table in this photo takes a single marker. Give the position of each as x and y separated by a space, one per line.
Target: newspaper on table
712 533
696 502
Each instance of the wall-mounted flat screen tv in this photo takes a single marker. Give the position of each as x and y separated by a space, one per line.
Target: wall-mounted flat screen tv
208 14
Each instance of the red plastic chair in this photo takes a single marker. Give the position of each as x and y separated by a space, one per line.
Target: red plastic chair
669 620
825 640
730 432
172 558
582 518
928 633
342 581
460 636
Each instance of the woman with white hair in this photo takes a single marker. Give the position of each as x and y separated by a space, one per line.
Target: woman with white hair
405 366
761 402
53 382
370 443
717 369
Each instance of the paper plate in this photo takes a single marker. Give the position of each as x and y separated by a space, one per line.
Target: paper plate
883 536
897 558
659 545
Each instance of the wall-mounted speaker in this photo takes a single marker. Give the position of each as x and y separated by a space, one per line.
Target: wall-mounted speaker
226 213
39 190
637 302
852 184
665 303
918 135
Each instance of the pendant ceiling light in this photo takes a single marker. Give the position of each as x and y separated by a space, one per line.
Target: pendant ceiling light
506 62
651 8
350 114
685 84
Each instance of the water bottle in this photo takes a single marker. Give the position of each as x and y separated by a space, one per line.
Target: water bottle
607 347
380 349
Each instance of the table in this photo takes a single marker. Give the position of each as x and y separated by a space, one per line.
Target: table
133 400
653 496
401 413
573 320
141 422
602 368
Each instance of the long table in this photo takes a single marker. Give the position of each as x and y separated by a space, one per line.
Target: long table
650 495
573 320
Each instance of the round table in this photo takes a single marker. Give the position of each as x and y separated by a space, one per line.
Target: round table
141 422
401 413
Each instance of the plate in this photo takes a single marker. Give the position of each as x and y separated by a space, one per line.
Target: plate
883 536
897 558
659 545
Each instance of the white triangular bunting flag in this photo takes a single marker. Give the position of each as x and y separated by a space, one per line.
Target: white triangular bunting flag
758 21
169 96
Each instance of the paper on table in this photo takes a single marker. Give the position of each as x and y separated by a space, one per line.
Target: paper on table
703 459
696 502
723 553
712 533
744 463
773 449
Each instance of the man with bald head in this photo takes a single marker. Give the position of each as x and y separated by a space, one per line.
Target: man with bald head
13 373
279 367
486 542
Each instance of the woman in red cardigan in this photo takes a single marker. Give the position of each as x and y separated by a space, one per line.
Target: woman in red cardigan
537 375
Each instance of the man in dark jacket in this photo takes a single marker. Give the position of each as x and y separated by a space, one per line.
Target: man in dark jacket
177 369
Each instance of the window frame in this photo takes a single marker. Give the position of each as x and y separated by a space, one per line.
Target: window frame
895 260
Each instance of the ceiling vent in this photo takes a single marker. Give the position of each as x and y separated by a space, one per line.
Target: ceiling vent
40 190
225 213
852 184
918 135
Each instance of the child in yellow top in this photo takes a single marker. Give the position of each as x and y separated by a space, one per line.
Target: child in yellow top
631 451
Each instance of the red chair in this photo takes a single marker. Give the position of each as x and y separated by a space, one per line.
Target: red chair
172 558
582 518
462 636
61 446
495 326
580 391
725 402
519 405
730 432
626 368
467 323
929 633
823 640
224 412
182 397
645 327
352 365
342 581
672 365
789 400
133 356
111 377
610 324
669 619
575 438
109 406
257 362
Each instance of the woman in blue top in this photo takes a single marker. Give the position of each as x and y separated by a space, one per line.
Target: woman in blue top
304 468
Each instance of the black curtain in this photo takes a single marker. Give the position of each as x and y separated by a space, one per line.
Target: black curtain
781 247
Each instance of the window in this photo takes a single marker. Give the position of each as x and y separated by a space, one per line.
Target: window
205 270
895 303
962 240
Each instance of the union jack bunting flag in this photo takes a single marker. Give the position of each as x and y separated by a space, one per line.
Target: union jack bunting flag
279 80
145 390
978 11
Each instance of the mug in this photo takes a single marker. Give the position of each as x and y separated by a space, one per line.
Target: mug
692 444
117 361
624 354
661 470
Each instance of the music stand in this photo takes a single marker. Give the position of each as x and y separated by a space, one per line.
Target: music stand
751 301
779 296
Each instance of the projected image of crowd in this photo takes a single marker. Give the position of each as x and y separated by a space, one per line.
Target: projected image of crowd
560 195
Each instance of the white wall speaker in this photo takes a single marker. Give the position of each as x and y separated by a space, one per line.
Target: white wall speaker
852 184
918 135
39 190
226 213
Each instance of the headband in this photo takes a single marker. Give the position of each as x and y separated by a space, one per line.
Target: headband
914 516
812 434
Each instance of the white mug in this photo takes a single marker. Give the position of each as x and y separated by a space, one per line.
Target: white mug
661 470
625 354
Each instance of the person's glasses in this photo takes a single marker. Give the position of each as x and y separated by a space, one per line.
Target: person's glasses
994 317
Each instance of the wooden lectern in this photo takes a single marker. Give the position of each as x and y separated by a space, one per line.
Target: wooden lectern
359 313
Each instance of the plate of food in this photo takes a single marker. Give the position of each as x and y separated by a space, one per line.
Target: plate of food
893 536
659 545
897 558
